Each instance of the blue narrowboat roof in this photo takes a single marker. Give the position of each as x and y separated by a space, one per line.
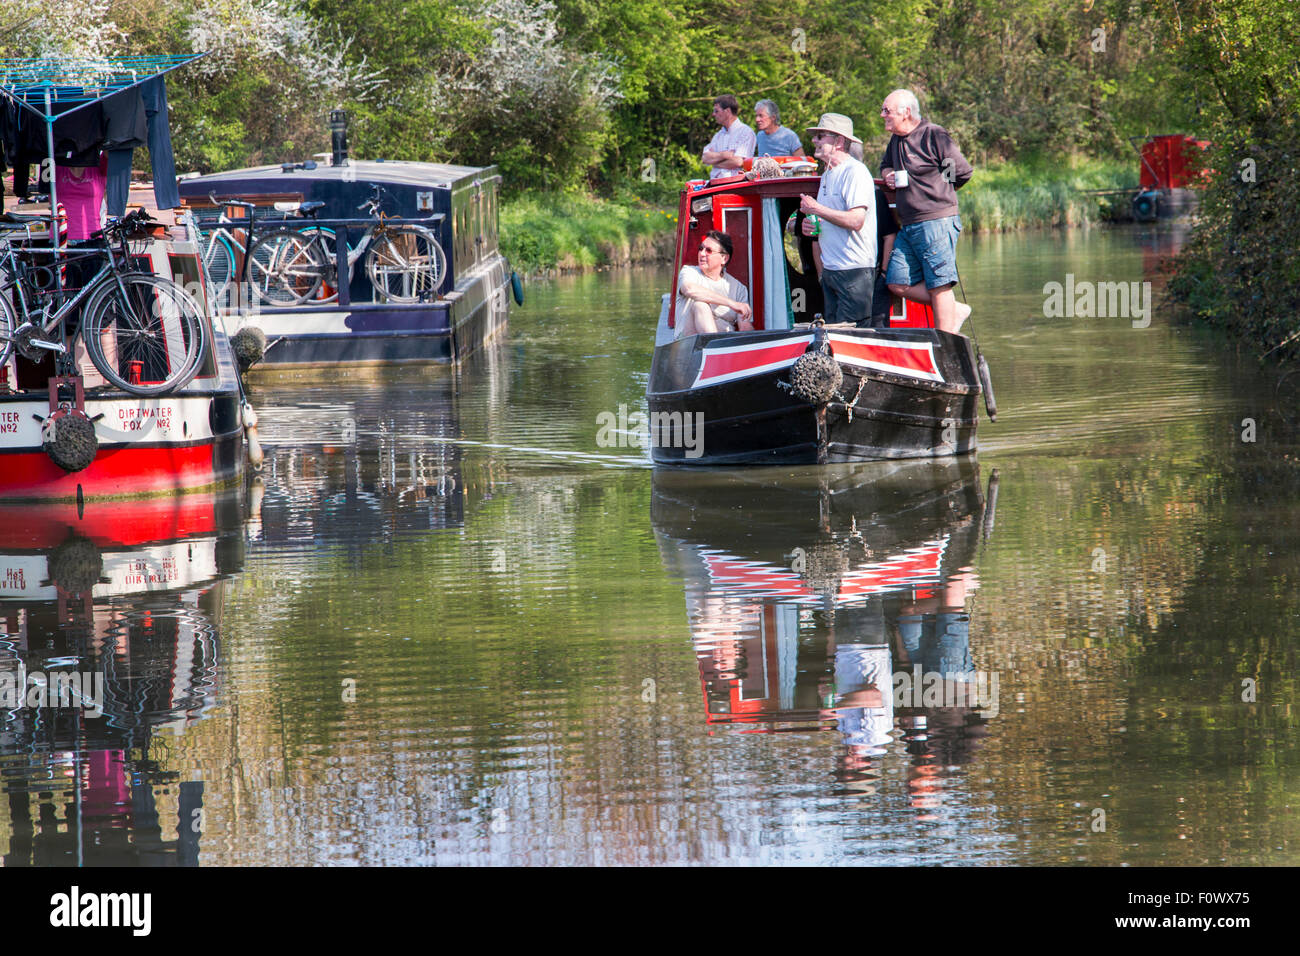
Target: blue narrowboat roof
364 170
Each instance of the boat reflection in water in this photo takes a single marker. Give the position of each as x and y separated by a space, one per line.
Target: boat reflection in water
838 598
109 632
355 466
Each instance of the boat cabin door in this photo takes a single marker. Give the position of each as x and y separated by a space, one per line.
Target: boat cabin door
738 217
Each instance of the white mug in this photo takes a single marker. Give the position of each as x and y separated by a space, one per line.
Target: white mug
900 179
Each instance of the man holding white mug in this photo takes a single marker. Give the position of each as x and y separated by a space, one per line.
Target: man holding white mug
925 169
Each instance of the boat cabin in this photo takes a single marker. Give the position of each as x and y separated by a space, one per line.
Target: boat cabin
458 203
775 265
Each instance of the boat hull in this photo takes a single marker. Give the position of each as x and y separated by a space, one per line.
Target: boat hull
905 393
146 447
445 331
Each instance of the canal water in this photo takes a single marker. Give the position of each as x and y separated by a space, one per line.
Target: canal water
460 619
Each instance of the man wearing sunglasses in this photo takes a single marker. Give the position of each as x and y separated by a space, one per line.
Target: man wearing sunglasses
846 209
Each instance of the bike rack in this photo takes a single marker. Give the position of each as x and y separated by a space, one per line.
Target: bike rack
342 228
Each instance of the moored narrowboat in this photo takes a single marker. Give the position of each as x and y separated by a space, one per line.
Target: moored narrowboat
76 437
350 320
114 380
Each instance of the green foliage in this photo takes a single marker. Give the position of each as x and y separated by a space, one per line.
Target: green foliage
1241 268
542 231
1054 77
1041 192
576 95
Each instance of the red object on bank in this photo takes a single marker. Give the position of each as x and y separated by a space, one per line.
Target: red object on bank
1172 162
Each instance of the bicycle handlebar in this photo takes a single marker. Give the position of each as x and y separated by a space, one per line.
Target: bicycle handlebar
375 201
250 206
124 224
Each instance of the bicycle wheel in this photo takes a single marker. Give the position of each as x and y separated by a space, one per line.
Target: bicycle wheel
146 337
406 264
329 290
219 261
8 322
286 267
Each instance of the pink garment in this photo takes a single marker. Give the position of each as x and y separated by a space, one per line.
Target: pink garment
81 194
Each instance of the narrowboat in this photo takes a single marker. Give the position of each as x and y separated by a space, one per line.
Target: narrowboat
355 323
1172 176
67 434
795 390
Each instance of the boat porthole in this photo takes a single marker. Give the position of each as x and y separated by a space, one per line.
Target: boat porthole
185 429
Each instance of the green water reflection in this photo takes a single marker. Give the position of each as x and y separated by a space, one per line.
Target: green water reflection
464 632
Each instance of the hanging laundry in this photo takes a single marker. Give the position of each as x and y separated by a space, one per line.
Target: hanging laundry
81 194
165 192
127 127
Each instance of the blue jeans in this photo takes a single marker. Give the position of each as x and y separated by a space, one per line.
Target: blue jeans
926 251
848 294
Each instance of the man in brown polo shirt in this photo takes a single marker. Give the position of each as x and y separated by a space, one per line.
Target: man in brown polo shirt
925 168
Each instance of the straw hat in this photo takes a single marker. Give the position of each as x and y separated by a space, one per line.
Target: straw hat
835 123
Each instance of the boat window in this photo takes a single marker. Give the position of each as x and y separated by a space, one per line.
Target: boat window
736 224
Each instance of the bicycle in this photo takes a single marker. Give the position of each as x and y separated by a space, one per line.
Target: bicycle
405 263
143 333
219 249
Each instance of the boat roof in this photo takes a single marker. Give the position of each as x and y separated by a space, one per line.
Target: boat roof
368 170
778 186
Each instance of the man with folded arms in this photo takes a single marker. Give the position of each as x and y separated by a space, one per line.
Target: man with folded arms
731 145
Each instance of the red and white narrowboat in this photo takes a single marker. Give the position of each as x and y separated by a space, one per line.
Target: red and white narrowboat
795 391
184 440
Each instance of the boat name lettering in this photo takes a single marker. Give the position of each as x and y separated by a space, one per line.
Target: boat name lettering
133 419
8 422
15 580
139 572
161 412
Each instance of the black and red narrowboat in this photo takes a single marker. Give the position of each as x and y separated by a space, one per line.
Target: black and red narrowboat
795 390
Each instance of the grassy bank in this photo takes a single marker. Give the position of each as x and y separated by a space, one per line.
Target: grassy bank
544 232
1028 195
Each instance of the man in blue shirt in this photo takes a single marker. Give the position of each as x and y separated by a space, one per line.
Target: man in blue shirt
774 139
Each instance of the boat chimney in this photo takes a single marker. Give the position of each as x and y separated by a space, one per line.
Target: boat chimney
339 136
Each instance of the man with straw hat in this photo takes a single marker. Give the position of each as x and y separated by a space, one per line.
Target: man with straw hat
845 206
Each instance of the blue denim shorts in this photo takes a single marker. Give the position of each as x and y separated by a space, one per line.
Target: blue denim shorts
926 251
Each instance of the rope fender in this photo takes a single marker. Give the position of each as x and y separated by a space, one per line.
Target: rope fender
68 438
815 376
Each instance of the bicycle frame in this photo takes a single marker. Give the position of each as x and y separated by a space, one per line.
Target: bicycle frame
51 321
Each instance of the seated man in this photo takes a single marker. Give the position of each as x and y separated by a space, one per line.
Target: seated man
708 299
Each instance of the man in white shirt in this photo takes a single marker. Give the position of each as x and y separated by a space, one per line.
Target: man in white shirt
732 144
846 208
709 299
